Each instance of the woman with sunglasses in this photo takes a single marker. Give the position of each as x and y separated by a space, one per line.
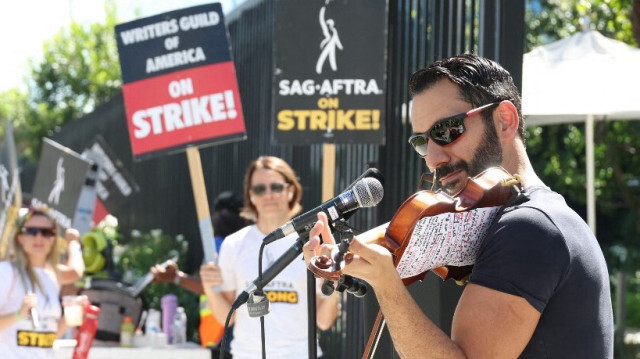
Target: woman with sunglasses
30 309
539 286
272 194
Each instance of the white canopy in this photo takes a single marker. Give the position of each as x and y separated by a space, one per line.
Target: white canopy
585 74
580 78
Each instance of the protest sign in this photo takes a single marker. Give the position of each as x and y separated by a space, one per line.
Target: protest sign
179 81
330 71
114 184
59 180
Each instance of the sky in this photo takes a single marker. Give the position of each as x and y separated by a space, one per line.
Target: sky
26 24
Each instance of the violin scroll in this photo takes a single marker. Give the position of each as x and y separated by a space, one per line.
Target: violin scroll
330 268
325 267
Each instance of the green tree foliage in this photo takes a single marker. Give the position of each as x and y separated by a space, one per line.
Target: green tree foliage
558 152
550 20
13 106
635 20
78 71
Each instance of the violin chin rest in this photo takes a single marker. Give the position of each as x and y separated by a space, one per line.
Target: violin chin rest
459 274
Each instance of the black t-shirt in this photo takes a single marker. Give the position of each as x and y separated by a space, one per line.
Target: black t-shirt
543 251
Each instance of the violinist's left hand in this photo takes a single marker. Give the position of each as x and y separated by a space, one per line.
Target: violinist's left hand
370 262
313 246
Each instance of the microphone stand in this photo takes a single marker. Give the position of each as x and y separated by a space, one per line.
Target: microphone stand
312 316
264 278
340 228
357 287
311 304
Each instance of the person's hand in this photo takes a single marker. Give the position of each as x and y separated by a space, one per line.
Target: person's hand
165 274
370 262
29 301
313 247
72 234
210 275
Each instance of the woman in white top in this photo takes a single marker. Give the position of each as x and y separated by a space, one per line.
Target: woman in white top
272 193
29 292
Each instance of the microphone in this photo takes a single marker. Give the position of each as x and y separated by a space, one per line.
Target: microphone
370 172
366 192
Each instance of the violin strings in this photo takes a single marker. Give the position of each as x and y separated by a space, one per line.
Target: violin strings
434 180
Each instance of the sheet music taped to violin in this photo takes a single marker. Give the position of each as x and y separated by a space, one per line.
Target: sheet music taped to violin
452 238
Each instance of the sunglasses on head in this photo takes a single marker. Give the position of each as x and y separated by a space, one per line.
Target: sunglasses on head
445 131
33 231
276 187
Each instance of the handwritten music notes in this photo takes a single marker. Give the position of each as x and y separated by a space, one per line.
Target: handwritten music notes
446 239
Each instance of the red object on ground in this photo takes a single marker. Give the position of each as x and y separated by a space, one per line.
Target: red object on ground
86 333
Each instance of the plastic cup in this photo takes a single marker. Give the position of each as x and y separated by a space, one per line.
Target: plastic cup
73 309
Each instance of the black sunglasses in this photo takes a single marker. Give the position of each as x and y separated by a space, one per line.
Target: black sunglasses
33 231
445 131
276 187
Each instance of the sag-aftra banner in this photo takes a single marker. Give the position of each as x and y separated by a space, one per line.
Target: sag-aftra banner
179 81
330 71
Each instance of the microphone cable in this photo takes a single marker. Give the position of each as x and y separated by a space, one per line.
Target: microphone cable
223 342
241 299
262 336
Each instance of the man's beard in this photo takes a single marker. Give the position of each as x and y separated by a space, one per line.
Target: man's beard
488 154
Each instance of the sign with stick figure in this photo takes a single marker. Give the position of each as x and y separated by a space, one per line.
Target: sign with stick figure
58 183
179 81
330 71
329 44
59 179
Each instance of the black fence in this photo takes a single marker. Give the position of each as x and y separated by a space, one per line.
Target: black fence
419 33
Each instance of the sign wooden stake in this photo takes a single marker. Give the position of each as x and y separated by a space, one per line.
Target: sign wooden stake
328 171
202 205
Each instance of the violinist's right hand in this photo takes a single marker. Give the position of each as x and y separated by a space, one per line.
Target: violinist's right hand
372 263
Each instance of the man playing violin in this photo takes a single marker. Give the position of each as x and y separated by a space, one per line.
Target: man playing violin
539 287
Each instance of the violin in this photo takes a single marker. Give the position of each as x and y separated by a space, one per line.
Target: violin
433 231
